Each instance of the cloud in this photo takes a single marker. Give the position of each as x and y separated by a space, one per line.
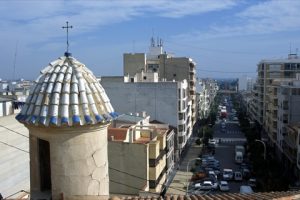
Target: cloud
262 18
176 9
44 18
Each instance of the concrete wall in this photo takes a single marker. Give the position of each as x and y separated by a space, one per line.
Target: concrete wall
1 109
78 157
14 156
6 108
128 167
174 68
294 108
133 63
159 100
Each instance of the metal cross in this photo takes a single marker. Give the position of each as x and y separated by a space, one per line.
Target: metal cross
67 27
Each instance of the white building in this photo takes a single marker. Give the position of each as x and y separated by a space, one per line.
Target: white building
166 102
206 90
167 66
288 108
245 83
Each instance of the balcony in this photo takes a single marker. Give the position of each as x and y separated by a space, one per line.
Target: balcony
192 92
192 70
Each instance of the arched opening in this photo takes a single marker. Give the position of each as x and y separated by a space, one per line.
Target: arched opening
45 169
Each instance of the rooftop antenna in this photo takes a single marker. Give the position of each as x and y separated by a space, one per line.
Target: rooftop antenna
67 54
15 59
290 48
152 42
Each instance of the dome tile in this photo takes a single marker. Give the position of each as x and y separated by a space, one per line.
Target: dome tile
66 94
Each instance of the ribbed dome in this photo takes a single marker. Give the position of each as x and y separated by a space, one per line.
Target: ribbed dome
66 94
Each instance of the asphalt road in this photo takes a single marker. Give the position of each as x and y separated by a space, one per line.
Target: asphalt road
225 149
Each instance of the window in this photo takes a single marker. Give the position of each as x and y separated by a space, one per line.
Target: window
180 139
180 128
181 116
145 77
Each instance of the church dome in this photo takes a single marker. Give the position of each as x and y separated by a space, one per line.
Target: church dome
66 94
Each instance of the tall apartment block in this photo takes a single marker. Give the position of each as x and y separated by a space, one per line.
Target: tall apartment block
168 67
267 72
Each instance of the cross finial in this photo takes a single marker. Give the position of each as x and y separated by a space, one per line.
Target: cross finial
67 27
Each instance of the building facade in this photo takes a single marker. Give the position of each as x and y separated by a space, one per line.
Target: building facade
267 71
166 102
168 67
206 90
138 155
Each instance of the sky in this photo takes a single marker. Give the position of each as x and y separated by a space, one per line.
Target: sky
226 38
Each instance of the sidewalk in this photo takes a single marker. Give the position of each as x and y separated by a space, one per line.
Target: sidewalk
178 185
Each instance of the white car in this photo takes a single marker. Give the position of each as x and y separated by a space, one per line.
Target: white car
206 185
212 142
224 186
227 174
238 176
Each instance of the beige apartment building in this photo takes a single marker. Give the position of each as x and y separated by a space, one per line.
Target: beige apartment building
264 91
291 148
168 67
139 155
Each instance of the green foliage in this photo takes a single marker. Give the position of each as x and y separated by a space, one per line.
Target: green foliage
192 169
198 141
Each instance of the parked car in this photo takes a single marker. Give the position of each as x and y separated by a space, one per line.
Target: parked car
210 163
246 189
198 176
224 187
206 185
212 142
238 176
252 182
246 173
227 174
213 175
207 156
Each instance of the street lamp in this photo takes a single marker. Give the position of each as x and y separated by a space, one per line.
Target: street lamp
187 170
264 147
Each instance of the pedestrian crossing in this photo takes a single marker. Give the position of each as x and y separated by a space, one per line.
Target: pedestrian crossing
230 140
233 132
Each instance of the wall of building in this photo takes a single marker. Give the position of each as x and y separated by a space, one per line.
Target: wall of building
6 108
128 167
78 159
159 100
133 63
174 68
14 156
294 108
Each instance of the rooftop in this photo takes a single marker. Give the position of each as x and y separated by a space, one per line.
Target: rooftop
285 195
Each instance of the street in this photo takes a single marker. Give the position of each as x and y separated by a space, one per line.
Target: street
225 149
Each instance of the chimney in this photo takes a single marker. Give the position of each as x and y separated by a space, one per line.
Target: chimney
112 138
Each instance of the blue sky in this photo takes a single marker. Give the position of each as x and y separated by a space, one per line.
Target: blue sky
226 38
